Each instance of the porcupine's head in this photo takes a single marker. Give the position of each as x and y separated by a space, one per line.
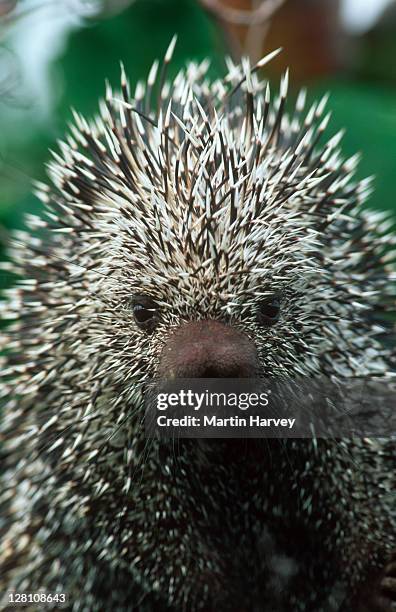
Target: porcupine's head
211 234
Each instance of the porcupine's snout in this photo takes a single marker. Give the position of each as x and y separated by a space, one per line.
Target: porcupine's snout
208 349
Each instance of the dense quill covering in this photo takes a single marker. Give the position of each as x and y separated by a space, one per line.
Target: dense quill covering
207 197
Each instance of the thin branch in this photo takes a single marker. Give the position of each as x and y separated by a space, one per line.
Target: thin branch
240 17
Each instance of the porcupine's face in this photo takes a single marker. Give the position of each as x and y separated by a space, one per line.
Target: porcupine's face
213 237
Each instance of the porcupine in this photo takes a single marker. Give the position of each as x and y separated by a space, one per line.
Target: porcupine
194 213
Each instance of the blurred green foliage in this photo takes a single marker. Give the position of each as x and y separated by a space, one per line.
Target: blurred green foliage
136 37
368 113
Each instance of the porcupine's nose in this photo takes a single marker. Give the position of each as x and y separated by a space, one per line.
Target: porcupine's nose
208 349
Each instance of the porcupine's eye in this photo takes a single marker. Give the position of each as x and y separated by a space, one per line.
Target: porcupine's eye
269 311
145 311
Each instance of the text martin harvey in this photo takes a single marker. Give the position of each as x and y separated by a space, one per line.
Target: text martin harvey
214 421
